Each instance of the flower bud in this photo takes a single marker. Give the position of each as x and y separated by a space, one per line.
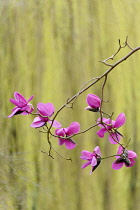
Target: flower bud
94 103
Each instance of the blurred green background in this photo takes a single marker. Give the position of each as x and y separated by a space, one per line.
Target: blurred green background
50 48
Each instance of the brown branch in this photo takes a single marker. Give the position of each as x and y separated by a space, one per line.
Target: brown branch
73 98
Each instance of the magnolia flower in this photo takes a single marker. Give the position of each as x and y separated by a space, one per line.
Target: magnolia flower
22 105
65 132
125 157
93 158
46 111
93 102
112 126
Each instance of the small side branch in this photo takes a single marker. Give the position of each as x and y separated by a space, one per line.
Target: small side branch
125 44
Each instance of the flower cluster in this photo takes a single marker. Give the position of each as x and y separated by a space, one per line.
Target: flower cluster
45 118
44 114
123 156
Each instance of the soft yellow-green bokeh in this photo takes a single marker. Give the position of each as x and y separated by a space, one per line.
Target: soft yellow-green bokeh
49 49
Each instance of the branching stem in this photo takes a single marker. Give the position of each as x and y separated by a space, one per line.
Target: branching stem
85 87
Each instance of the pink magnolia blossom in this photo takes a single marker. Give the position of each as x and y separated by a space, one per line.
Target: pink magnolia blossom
93 158
93 102
125 157
65 132
22 105
112 126
46 110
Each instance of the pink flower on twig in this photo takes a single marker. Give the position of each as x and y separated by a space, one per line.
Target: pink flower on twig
65 132
46 111
93 102
93 158
112 126
125 157
22 105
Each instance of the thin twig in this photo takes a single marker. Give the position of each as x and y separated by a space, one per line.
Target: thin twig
75 134
110 156
120 47
61 155
102 97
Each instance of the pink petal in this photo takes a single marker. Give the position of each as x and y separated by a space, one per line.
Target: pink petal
131 154
113 136
20 98
13 101
61 141
86 164
60 132
45 109
101 132
25 108
88 107
69 145
97 150
56 124
121 119
41 109
50 109
30 98
117 166
94 161
14 111
37 123
86 155
120 150
73 128
91 171
93 101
